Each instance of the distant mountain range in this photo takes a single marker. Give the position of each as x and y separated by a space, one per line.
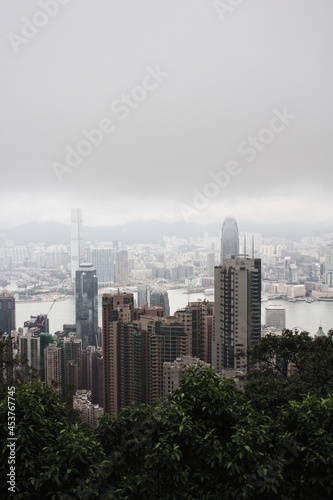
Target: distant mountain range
49 232
133 232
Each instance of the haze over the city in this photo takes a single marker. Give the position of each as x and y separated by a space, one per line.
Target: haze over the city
201 112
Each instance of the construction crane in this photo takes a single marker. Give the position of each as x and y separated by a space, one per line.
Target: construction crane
48 312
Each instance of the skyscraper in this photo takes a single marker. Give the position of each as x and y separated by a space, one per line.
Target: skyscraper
229 239
71 364
134 351
111 315
86 302
7 312
194 318
76 240
237 312
53 365
29 348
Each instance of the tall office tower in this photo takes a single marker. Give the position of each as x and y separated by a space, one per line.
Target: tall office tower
110 318
29 349
103 261
193 317
229 239
160 299
329 265
77 248
86 304
275 316
7 312
121 267
143 295
71 364
53 366
237 312
210 263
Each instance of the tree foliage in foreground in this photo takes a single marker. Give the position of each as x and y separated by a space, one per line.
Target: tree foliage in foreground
290 366
206 440
53 454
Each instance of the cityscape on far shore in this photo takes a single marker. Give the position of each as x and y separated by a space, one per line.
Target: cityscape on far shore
124 344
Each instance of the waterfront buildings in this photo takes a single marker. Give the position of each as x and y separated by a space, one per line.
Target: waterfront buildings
275 316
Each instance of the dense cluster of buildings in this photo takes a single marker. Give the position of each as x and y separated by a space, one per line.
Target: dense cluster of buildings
140 351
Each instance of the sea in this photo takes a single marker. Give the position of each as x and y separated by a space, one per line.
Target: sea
301 315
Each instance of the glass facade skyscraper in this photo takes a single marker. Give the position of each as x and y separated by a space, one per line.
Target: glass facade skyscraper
229 239
86 303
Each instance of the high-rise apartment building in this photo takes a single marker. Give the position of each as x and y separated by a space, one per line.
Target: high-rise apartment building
111 314
77 249
237 312
86 304
29 349
136 342
71 364
103 261
229 239
7 312
53 365
193 317
94 374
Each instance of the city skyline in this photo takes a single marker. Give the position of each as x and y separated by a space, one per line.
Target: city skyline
234 121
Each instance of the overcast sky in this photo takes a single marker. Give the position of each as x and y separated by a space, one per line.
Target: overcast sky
181 88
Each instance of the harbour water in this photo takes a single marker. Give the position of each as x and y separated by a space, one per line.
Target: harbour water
306 316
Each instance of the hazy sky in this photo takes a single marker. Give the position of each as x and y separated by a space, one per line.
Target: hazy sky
183 90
